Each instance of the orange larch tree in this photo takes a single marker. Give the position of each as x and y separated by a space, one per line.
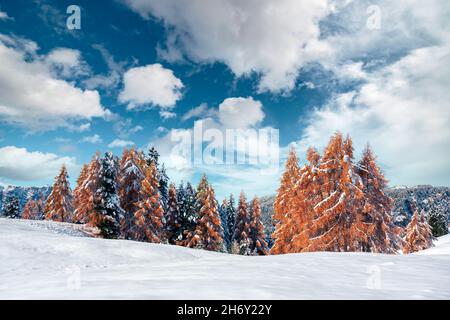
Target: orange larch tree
373 229
149 218
78 193
418 234
258 243
33 209
340 203
208 232
87 184
131 173
59 203
282 204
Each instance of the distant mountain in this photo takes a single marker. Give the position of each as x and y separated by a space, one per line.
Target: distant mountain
22 193
427 198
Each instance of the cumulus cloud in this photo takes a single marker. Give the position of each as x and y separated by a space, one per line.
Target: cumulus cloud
32 97
67 62
240 113
4 16
119 143
151 85
23 165
402 111
94 139
271 38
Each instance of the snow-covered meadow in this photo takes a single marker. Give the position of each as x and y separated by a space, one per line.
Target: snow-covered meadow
50 260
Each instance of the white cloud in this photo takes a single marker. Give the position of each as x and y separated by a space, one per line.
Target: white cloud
119 143
32 97
4 16
94 139
21 164
67 63
272 38
201 110
167 114
151 85
240 113
124 128
402 110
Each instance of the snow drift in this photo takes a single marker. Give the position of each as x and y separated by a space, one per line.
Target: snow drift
50 260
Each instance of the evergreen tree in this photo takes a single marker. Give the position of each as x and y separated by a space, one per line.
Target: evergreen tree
107 211
258 244
149 218
188 213
223 220
163 186
242 226
153 156
59 203
208 232
418 234
438 222
11 208
172 217
230 219
87 185
373 229
131 174
283 202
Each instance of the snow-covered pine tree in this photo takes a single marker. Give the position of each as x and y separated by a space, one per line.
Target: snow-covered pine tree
242 226
130 176
231 218
149 218
188 213
224 223
373 229
84 211
258 244
163 186
437 219
208 232
107 212
11 208
282 203
172 224
163 179
58 206
33 209
341 199
418 234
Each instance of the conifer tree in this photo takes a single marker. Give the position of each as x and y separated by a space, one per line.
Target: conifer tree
438 222
58 206
341 203
33 209
188 213
224 223
149 218
373 229
208 232
242 226
11 208
282 203
87 186
230 219
107 212
130 176
258 244
172 217
418 234
78 193
163 186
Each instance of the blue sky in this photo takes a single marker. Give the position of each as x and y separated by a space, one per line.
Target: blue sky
138 70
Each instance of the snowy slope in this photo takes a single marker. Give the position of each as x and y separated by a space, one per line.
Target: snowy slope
53 260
